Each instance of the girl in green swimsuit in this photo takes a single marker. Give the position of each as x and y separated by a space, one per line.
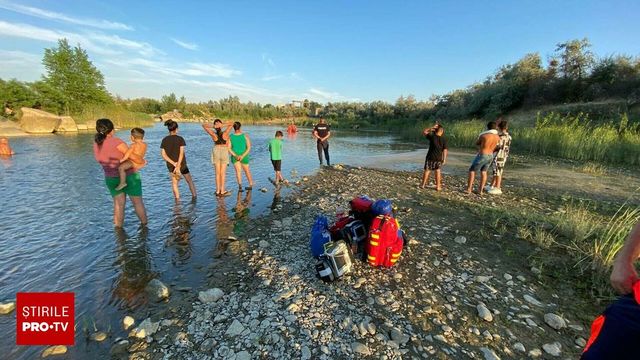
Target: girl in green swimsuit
240 148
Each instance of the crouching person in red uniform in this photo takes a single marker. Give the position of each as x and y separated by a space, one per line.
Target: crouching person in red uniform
616 333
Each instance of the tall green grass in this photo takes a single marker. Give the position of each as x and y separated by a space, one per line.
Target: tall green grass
568 137
121 117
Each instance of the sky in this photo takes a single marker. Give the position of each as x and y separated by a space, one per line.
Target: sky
325 51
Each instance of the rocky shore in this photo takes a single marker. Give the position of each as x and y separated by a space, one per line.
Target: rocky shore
451 296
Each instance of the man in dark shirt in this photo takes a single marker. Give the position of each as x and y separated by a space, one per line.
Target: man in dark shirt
322 132
436 156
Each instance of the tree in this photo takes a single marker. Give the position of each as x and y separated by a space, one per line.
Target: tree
169 102
576 58
70 72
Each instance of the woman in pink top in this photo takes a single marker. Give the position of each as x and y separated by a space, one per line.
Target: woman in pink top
108 150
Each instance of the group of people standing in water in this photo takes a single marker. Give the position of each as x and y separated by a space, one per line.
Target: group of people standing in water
121 163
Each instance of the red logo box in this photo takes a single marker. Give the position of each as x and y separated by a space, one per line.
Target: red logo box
45 318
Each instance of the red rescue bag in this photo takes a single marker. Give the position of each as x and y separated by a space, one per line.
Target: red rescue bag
384 245
338 226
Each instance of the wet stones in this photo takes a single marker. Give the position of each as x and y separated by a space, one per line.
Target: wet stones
127 322
146 328
99 336
7 307
156 290
54 350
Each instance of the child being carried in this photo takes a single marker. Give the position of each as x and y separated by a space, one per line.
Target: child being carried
138 148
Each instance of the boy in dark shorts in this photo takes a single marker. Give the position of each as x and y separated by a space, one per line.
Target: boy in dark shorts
436 156
275 149
172 149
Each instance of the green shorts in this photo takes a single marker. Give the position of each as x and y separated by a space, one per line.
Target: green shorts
133 188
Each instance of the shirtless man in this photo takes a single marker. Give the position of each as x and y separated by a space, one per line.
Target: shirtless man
486 143
5 149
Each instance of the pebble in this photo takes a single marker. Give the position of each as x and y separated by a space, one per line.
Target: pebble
54 350
460 239
146 328
484 312
244 355
508 277
7 307
360 348
264 190
211 295
119 347
535 353
235 329
581 342
127 322
553 349
489 354
519 347
531 300
555 321
98 336
263 244
306 353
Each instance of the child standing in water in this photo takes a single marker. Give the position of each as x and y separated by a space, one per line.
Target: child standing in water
275 149
138 147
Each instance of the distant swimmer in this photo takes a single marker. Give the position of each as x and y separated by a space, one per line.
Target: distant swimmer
5 148
292 129
322 132
486 143
139 148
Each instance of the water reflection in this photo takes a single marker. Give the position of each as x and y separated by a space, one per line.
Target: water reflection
6 161
134 263
241 213
276 198
224 228
180 236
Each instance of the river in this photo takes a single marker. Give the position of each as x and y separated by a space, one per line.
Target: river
56 231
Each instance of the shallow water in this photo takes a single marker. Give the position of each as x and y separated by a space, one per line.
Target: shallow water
56 230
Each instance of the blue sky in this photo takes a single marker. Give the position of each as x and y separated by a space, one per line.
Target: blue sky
276 51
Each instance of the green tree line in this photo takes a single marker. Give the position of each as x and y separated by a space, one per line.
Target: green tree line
229 107
573 74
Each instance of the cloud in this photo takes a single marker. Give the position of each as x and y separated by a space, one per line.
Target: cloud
100 43
324 95
186 45
20 64
188 69
51 15
271 77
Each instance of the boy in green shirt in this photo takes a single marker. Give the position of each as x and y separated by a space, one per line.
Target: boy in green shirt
275 148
